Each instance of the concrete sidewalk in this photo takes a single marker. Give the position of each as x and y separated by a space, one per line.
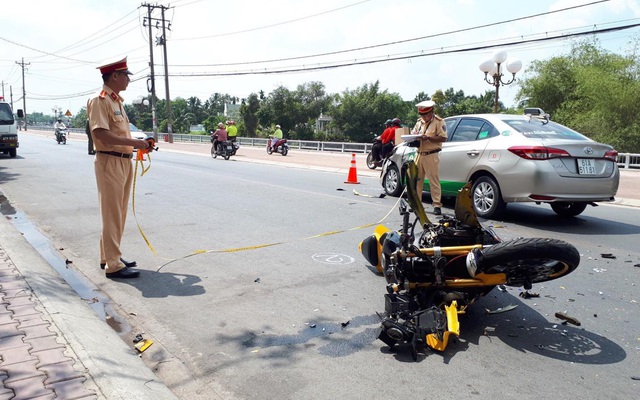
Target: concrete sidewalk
54 345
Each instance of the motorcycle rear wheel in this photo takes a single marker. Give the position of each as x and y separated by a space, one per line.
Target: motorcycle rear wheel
285 150
371 163
213 152
530 260
269 150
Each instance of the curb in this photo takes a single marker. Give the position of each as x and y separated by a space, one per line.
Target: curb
111 368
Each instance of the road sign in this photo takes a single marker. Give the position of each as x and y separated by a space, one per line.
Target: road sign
68 113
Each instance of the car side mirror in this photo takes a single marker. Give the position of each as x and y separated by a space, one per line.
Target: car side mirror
20 114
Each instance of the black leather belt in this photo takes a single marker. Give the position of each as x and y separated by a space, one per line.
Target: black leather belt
426 153
116 154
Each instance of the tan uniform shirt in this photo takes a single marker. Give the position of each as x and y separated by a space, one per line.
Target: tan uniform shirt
106 111
436 127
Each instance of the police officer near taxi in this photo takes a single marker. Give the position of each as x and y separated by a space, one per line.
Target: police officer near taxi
433 132
114 146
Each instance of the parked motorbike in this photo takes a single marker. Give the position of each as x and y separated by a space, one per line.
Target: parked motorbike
281 146
434 271
374 158
223 149
61 135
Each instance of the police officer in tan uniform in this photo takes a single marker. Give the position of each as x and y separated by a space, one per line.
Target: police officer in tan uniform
433 132
114 146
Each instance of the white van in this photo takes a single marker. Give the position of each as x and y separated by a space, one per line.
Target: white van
8 129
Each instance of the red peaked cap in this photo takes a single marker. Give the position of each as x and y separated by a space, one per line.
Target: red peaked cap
118 66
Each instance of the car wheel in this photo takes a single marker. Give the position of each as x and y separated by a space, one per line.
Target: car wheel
392 181
568 209
12 153
487 199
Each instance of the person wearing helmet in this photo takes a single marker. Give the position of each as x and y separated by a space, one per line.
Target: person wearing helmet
57 126
388 138
433 132
277 136
219 136
232 130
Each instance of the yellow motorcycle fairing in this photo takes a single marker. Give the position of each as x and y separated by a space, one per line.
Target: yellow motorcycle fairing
453 328
371 247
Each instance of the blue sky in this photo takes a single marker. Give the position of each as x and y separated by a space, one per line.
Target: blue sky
63 44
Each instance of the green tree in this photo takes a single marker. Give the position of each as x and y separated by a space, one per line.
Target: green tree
364 110
591 90
248 111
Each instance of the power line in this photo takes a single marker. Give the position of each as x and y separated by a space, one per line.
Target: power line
387 59
395 42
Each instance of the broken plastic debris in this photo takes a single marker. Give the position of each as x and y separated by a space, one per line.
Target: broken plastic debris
502 288
599 270
567 318
502 309
527 294
344 324
607 255
257 280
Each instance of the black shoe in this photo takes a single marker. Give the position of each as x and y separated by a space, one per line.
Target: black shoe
127 264
437 211
124 273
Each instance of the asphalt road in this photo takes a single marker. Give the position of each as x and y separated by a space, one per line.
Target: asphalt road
297 319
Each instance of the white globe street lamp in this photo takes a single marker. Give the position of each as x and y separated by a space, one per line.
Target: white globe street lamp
493 68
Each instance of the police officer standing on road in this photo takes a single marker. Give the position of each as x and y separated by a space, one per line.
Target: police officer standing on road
433 132
109 127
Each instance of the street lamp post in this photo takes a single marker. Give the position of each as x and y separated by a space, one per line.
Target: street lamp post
493 67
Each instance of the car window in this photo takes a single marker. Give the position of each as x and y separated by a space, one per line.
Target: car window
487 131
540 129
467 130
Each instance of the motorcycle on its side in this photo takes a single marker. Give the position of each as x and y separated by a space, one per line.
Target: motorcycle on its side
281 146
374 158
61 135
434 271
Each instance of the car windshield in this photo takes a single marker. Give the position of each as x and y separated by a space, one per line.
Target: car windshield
6 117
540 129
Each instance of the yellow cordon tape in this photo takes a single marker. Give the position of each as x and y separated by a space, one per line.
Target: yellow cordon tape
234 249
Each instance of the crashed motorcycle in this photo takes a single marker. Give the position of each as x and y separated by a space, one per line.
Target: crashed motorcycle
61 135
434 271
281 146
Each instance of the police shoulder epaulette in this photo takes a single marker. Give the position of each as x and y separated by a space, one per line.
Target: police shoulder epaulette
438 118
103 94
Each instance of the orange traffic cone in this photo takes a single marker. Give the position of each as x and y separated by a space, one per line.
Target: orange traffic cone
353 173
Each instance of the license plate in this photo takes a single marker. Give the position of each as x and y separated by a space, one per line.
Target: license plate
586 166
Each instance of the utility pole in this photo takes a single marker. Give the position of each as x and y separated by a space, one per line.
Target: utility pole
3 89
159 41
166 77
151 83
24 93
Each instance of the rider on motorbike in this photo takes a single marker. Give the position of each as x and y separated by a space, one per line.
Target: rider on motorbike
277 136
219 136
58 125
376 149
388 138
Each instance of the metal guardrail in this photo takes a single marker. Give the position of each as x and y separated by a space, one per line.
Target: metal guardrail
625 160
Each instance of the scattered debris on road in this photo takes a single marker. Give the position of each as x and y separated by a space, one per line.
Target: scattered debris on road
569 319
502 309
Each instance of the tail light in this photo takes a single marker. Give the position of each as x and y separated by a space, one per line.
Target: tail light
611 155
538 152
